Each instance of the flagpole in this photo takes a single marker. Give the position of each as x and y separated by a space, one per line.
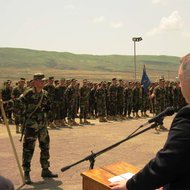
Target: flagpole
135 39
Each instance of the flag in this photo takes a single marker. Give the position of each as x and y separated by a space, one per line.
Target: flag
145 81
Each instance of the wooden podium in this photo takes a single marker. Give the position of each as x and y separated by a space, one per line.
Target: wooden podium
97 179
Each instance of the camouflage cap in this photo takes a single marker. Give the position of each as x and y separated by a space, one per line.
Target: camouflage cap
38 76
51 78
62 79
161 78
22 79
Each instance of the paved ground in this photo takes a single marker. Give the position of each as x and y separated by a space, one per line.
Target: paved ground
69 145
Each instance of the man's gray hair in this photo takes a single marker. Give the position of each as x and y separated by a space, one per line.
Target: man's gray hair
185 65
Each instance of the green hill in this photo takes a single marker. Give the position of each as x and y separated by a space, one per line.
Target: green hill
33 59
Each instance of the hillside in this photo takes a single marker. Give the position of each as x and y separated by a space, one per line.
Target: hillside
18 60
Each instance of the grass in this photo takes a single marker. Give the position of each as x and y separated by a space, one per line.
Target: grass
17 62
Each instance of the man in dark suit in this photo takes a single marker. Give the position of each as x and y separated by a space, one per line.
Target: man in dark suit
171 166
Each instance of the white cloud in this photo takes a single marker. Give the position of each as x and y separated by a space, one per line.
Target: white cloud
69 7
173 22
117 24
159 2
99 19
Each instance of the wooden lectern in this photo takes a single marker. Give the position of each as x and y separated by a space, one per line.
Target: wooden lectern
97 179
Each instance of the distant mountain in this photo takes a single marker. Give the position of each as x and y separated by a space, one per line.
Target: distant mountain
26 58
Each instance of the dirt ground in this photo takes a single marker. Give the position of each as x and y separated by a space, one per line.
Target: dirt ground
69 145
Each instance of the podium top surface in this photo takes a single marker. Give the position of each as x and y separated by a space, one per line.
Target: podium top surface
102 174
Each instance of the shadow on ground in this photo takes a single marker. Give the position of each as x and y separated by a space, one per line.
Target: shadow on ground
48 184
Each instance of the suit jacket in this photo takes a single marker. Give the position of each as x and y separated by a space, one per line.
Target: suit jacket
171 166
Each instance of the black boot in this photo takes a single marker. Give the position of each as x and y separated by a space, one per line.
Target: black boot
48 173
27 178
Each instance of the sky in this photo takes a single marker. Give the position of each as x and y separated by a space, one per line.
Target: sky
99 27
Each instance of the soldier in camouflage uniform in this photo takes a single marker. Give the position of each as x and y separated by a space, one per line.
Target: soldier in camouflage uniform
84 93
176 96
17 111
112 95
60 104
92 102
35 127
128 98
169 101
137 98
144 102
100 96
70 95
50 88
152 99
159 95
5 95
120 99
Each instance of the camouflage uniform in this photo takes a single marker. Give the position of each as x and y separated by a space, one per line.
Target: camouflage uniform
17 111
176 97
144 102
70 95
159 94
84 102
50 88
5 95
152 100
137 99
169 96
92 102
100 96
112 94
120 99
60 105
128 101
35 126
159 99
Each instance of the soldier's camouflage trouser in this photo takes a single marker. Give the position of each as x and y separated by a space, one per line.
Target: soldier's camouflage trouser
31 135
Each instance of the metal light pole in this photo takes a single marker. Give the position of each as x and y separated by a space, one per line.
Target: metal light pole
135 39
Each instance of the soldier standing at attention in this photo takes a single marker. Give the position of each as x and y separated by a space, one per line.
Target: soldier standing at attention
71 94
60 105
17 91
36 104
128 94
100 96
112 95
137 99
50 88
84 93
120 99
5 95
92 102
159 95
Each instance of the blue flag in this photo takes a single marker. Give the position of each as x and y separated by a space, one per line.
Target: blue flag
145 81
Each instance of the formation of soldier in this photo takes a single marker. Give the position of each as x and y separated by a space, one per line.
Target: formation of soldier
115 101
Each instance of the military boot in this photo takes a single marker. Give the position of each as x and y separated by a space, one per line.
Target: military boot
70 123
81 122
137 115
47 173
63 122
104 119
75 123
27 178
86 122
17 128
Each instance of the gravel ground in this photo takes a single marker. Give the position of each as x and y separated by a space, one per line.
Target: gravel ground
69 145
